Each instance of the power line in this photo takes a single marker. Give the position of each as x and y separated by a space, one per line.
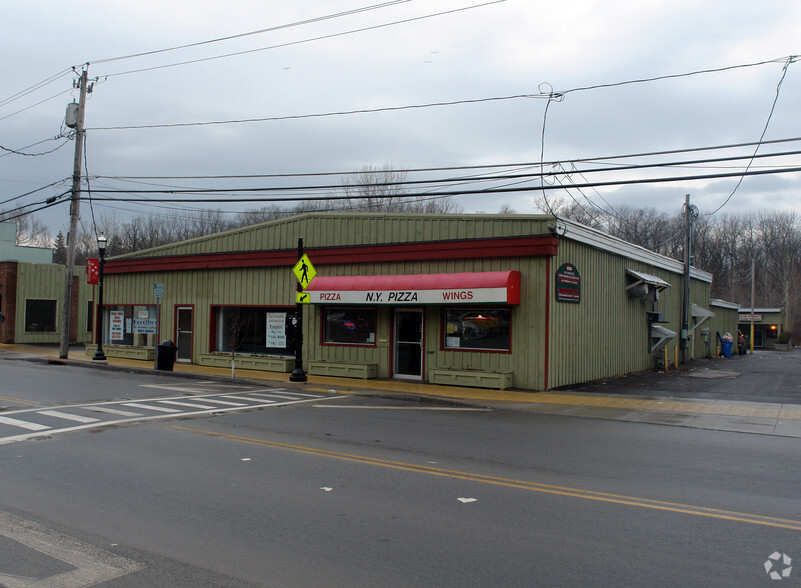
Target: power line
251 33
316 115
789 60
302 41
449 180
33 191
21 152
449 193
33 88
522 165
680 75
36 104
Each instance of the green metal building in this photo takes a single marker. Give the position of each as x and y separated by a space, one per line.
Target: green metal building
32 303
768 324
531 302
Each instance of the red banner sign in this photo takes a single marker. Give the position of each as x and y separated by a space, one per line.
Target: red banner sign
92 271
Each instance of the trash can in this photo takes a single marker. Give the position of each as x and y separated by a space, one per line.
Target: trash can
725 347
165 355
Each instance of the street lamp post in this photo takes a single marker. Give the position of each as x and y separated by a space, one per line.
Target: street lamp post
101 247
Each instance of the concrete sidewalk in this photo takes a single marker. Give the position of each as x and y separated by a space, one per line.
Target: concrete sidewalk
710 394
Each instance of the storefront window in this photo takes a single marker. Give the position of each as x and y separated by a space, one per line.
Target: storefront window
136 326
257 330
40 316
349 326
477 328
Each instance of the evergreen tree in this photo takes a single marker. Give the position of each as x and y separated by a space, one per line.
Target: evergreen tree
60 249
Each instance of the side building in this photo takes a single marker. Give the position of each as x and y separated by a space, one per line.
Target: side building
32 295
769 324
530 302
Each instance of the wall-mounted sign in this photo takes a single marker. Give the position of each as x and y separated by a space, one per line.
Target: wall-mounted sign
568 283
410 297
746 318
418 289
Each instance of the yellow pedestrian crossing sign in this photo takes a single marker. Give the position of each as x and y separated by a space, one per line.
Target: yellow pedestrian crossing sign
304 271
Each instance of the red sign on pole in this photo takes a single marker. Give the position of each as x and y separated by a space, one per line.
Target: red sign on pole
92 271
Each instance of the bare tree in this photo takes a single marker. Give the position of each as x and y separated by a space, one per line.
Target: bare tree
374 189
31 232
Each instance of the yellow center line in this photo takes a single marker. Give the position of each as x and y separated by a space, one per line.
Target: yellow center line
689 509
20 400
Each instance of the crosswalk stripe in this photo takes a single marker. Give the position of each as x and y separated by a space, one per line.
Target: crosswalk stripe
23 424
189 404
67 416
114 411
273 396
246 398
148 407
223 402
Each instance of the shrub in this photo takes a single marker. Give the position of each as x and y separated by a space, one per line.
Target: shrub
785 337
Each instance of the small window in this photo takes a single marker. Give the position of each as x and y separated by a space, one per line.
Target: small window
349 326
90 316
40 316
477 328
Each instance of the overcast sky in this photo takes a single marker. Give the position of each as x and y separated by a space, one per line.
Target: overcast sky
471 52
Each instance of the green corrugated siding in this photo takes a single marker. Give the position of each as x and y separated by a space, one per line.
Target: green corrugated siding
337 230
724 321
606 335
47 282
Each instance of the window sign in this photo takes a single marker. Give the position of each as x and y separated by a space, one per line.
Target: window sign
276 329
144 326
568 283
349 326
117 322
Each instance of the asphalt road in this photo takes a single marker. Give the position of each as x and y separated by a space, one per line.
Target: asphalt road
765 376
370 491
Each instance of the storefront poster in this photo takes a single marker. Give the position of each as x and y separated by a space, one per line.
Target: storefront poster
276 329
144 326
116 325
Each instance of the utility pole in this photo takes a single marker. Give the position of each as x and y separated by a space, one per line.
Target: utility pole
753 280
685 318
75 202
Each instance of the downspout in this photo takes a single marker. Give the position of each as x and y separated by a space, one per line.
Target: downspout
547 319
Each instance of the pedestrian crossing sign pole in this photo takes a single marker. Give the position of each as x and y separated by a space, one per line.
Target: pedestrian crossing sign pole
304 272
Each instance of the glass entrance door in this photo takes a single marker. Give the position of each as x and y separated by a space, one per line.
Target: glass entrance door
408 347
183 333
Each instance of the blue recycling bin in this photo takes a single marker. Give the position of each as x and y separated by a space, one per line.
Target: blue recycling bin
725 347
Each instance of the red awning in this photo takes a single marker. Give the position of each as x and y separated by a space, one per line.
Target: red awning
498 287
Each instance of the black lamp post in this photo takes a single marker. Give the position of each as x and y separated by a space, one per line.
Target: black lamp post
101 247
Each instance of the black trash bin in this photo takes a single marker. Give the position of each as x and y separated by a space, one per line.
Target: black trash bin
165 355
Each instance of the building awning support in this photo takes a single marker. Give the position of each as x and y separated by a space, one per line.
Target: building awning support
417 289
701 315
645 286
660 336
